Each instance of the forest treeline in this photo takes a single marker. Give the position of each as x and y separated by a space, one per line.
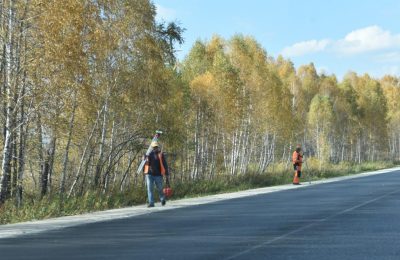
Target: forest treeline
85 84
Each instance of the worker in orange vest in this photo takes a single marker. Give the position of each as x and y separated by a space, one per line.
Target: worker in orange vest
155 169
297 159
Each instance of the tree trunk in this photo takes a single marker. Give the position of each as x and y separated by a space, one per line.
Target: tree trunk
40 142
7 150
126 174
101 149
22 147
52 151
13 183
66 155
78 173
44 176
110 159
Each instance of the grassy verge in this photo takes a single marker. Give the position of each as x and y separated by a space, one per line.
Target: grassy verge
47 207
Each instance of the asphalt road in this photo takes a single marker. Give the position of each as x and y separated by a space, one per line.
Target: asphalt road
351 219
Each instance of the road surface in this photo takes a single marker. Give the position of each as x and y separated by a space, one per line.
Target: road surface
350 219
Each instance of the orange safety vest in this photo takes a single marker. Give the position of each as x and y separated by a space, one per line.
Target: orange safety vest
162 168
297 158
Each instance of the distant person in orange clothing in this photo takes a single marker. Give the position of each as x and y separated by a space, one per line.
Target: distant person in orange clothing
297 159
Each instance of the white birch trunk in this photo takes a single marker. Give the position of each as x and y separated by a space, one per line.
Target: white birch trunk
97 175
7 150
109 168
66 155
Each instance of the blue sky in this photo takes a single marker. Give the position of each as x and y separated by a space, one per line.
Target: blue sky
337 35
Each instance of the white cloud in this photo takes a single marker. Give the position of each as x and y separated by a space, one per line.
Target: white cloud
367 39
306 47
164 13
372 38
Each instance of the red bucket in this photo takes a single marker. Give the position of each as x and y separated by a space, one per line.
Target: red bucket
167 192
